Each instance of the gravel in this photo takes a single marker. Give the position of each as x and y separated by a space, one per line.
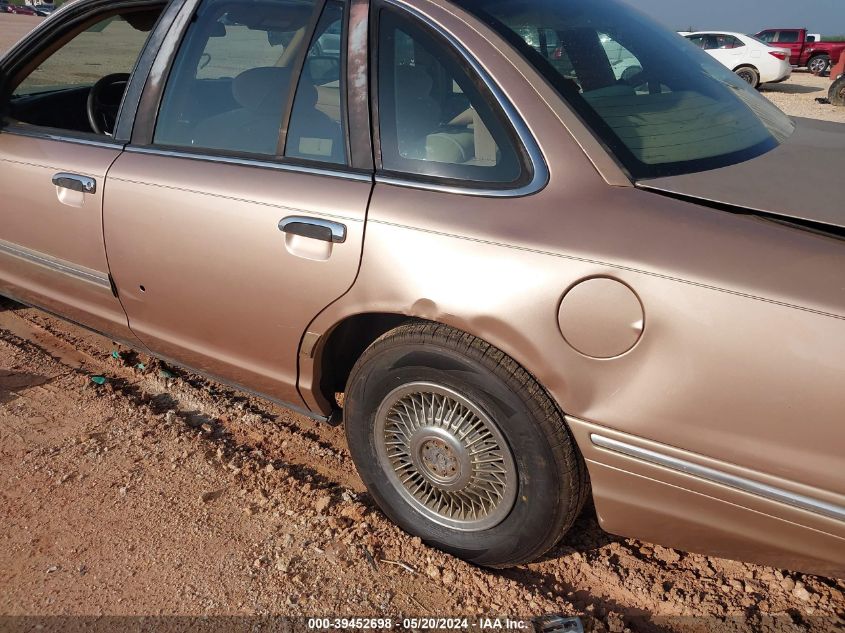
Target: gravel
161 523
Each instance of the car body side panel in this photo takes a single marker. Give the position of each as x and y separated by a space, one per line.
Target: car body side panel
725 374
698 514
729 300
61 261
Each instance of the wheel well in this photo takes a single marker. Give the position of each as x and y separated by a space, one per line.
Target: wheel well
344 345
751 66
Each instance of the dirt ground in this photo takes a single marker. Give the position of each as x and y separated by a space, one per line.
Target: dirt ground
797 97
160 493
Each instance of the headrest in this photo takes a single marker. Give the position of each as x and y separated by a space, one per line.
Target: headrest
413 82
263 89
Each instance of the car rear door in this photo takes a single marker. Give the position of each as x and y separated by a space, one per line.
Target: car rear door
232 221
728 50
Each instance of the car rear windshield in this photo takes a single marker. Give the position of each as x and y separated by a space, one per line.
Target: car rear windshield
659 103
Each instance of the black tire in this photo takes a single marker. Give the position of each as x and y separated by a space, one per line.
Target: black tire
551 477
749 75
837 92
818 64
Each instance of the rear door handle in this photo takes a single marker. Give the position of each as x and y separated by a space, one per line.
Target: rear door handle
75 182
314 228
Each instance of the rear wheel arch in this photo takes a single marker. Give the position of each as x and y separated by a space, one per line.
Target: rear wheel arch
344 344
346 341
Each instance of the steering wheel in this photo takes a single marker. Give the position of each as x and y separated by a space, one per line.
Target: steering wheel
104 102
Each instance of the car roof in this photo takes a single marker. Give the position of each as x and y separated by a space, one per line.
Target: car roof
734 33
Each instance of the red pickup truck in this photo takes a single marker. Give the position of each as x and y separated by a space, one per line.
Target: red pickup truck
806 51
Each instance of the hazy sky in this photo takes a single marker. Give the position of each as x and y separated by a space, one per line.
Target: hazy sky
748 16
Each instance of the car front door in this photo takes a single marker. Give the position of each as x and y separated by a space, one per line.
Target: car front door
53 164
236 214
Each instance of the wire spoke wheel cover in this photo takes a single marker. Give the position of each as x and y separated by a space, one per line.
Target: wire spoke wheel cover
445 456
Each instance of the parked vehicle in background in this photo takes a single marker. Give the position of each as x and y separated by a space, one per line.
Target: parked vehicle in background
807 52
836 94
6 7
752 60
23 10
44 10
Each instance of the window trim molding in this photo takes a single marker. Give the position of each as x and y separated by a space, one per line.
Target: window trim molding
359 118
343 172
146 111
131 100
533 159
18 128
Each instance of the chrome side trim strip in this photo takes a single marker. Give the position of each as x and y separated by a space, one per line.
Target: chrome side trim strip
50 136
57 265
248 162
756 488
538 162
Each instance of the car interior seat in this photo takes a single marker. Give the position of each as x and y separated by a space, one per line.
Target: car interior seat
417 113
254 127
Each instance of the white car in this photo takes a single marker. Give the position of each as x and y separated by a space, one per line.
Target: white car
753 60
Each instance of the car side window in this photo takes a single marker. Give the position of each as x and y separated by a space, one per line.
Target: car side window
728 42
788 37
698 40
55 93
316 129
231 80
109 46
435 119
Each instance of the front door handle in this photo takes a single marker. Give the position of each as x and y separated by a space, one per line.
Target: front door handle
314 228
75 182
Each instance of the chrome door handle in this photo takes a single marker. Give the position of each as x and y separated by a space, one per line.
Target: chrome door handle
74 182
315 228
